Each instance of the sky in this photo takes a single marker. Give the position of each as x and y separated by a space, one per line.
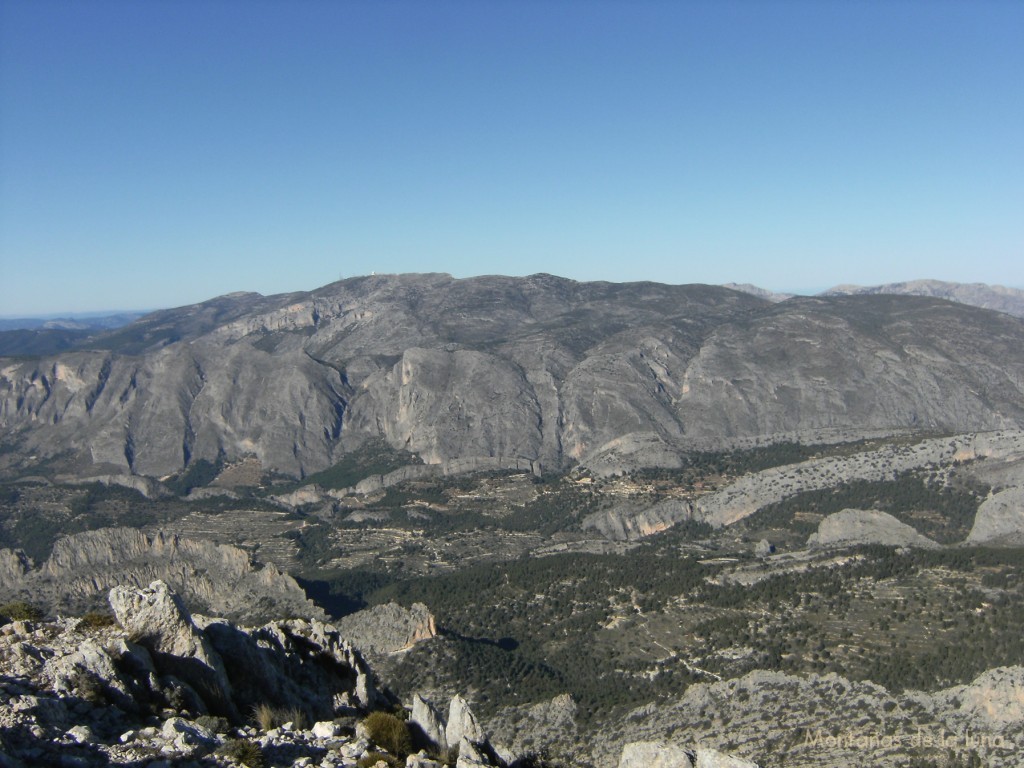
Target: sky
159 153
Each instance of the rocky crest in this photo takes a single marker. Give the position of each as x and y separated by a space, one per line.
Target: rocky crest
155 686
535 369
166 688
216 578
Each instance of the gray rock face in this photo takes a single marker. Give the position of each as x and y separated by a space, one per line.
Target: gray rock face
627 522
992 701
296 664
158 619
852 527
533 369
462 723
1000 519
389 628
428 721
219 578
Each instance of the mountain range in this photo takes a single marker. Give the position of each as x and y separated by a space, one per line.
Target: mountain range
538 368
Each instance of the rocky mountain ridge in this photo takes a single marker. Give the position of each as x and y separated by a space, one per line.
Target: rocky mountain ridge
536 369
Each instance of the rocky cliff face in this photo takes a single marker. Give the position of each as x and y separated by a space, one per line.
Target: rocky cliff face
390 628
534 369
215 578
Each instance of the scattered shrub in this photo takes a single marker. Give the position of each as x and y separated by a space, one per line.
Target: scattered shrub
89 686
246 752
268 717
211 723
19 610
265 716
541 759
296 717
96 620
389 732
371 759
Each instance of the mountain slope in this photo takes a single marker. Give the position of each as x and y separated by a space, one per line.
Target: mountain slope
997 297
538 368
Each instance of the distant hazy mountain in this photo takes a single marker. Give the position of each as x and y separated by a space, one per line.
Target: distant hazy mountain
997 297
74 322
537 368
51 335
762 293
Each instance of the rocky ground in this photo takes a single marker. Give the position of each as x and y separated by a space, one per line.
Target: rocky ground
154 687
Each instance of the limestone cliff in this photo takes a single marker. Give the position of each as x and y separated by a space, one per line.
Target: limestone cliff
215 578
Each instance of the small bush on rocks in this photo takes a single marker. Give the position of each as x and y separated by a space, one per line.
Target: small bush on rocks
268 717
96 620
213 724
265 716
246 752
89 687
389 732
19 610
371 759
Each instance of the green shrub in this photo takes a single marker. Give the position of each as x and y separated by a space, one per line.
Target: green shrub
389 732
19 610
96 620
89 686
371 759
246 752
213 724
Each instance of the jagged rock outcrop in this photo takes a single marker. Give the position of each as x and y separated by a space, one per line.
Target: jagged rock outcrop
158 620
78 693
296 665
530 369
215 578
389 628
427 720
1000 519
462 723
853 527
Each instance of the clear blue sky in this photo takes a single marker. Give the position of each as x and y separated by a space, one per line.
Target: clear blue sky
158 153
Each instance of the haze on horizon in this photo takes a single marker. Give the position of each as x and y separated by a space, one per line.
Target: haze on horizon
158 154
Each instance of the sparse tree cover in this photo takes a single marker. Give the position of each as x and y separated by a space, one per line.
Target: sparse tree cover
942 513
